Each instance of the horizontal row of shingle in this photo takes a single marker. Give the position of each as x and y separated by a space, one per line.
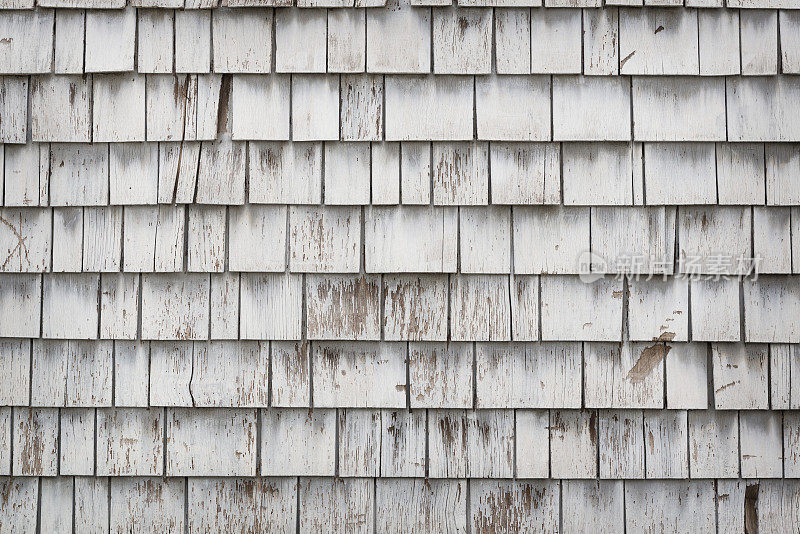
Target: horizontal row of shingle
372 307
403 39
395 505
385 173
690 240
332 374
609 444
311 107
391 4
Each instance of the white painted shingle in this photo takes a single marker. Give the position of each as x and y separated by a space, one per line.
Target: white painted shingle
444 107
658 41
591 108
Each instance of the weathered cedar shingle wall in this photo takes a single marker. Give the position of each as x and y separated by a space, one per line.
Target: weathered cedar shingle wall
323 267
